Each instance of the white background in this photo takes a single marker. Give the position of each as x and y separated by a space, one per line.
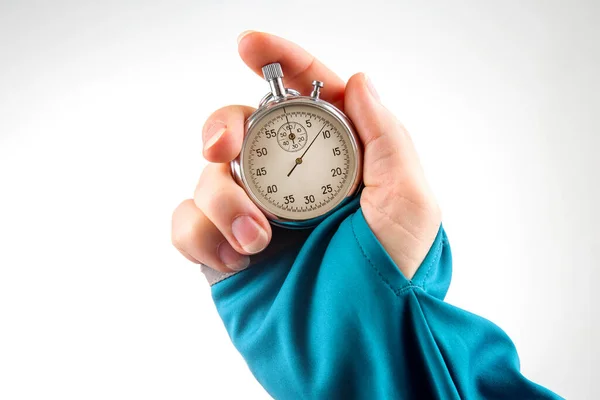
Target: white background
101 109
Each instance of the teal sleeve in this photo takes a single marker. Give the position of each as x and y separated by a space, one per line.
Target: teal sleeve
329 316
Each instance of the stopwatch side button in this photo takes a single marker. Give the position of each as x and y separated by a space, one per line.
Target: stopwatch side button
317 85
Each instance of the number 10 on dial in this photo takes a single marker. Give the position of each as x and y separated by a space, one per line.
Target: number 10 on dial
301 157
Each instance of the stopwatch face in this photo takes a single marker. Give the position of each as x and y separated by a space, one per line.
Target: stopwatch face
299 161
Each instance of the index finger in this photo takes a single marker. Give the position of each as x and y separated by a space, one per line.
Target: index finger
300 68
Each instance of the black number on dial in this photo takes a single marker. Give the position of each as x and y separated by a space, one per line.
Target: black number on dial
336 171
272 189
326 189
261 152
262 171
270 133
336 151
326 134
289 199
309 199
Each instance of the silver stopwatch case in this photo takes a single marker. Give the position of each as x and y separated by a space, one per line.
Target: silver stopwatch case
281 97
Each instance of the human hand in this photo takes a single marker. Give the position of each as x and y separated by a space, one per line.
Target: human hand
221 226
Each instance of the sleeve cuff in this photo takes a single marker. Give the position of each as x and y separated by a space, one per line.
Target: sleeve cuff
433 275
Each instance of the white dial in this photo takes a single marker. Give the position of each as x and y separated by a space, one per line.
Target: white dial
299 161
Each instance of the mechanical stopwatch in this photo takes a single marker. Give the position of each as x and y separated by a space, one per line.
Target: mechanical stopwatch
301 157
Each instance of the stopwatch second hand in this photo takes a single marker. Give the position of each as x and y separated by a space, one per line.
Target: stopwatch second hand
299 160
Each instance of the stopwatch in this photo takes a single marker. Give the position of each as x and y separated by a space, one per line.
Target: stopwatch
301 158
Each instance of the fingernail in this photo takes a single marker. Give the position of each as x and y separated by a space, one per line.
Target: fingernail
249 234
241 36
372 88
231 258
214 133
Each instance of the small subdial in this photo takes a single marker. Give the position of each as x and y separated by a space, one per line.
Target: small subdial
292 136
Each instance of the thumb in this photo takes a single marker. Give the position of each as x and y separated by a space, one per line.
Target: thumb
389 151
397 202
363 103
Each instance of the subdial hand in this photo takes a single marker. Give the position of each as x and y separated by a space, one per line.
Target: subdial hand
299 160
291 136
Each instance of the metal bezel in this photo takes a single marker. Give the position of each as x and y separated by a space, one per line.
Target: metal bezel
353 189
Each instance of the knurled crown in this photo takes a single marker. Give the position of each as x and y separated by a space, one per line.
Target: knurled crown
272 71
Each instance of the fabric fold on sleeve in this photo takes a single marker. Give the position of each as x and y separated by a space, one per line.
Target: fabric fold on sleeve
330 316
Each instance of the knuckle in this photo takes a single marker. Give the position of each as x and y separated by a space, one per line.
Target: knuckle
207 181
187 234
178 225
214 190
219 202
188 229
177 240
